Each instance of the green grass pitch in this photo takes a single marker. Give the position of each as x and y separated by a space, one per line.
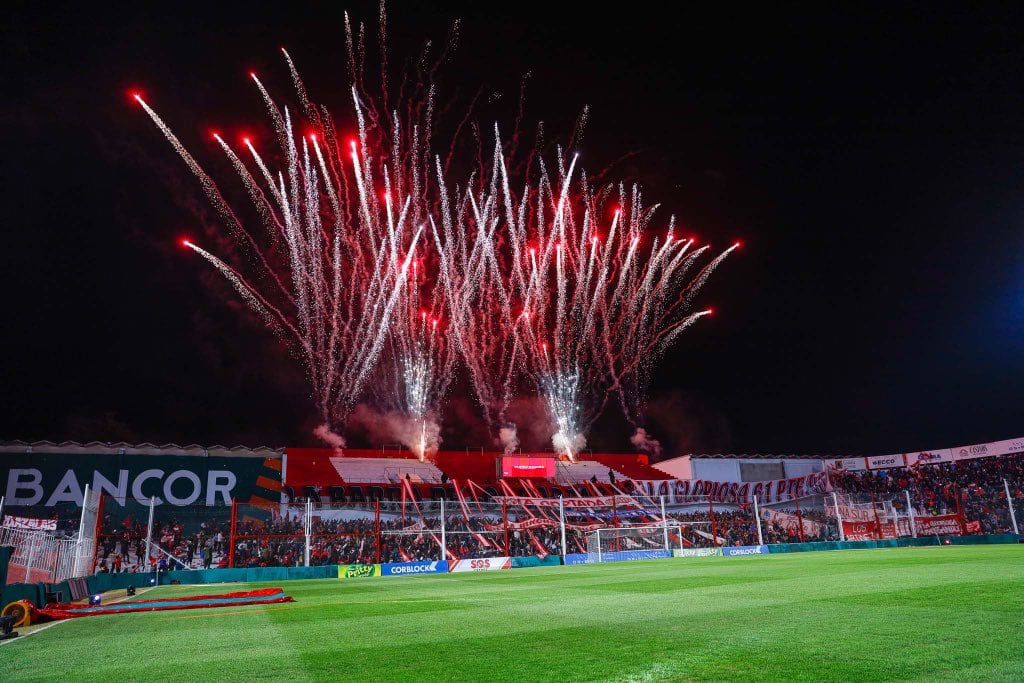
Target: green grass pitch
937 614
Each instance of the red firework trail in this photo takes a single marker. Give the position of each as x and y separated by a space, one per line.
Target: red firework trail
384 276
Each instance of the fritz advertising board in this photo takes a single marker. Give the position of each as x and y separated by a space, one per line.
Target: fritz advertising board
358 571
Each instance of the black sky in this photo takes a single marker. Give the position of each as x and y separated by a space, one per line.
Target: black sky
870 157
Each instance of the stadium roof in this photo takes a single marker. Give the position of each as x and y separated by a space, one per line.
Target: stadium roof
122 448
764 456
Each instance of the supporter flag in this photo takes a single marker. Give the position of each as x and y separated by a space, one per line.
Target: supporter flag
255 522
462 498
405 556
542 552
676 538
482 540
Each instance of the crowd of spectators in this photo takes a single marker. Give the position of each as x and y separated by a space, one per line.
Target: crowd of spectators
972 488
182 544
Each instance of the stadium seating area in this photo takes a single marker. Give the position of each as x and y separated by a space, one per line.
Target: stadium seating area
275 537
325 467
385 470
583 470
934 489
632 466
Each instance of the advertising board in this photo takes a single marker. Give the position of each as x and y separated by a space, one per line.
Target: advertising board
413 568
481 564
527 467
358 571
697 552
740 550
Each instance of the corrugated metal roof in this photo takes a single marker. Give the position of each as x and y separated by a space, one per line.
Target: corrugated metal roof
122 448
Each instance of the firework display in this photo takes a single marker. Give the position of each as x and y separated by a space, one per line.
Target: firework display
386 273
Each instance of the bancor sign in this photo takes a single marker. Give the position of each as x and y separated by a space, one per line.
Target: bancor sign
26 487
52 479
483 564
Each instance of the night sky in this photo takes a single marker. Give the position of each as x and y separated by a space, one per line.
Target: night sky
870 159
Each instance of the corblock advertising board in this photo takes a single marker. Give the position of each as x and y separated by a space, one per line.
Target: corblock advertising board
414 568
740 550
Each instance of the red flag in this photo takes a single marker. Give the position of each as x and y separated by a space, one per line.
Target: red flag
542 552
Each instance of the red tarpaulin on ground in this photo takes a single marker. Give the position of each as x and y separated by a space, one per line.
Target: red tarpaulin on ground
240 599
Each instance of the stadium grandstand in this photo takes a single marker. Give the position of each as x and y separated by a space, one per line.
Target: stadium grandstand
195 507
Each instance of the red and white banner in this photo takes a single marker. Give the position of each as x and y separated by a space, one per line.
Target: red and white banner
867 531
29 523
484 564
789 520
531 523
569 503
939 525
731 492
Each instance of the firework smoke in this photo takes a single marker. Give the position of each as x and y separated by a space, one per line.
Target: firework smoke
324 433
508 436
421 436
644 442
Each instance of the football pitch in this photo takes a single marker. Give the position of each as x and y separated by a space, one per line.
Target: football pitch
942 613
